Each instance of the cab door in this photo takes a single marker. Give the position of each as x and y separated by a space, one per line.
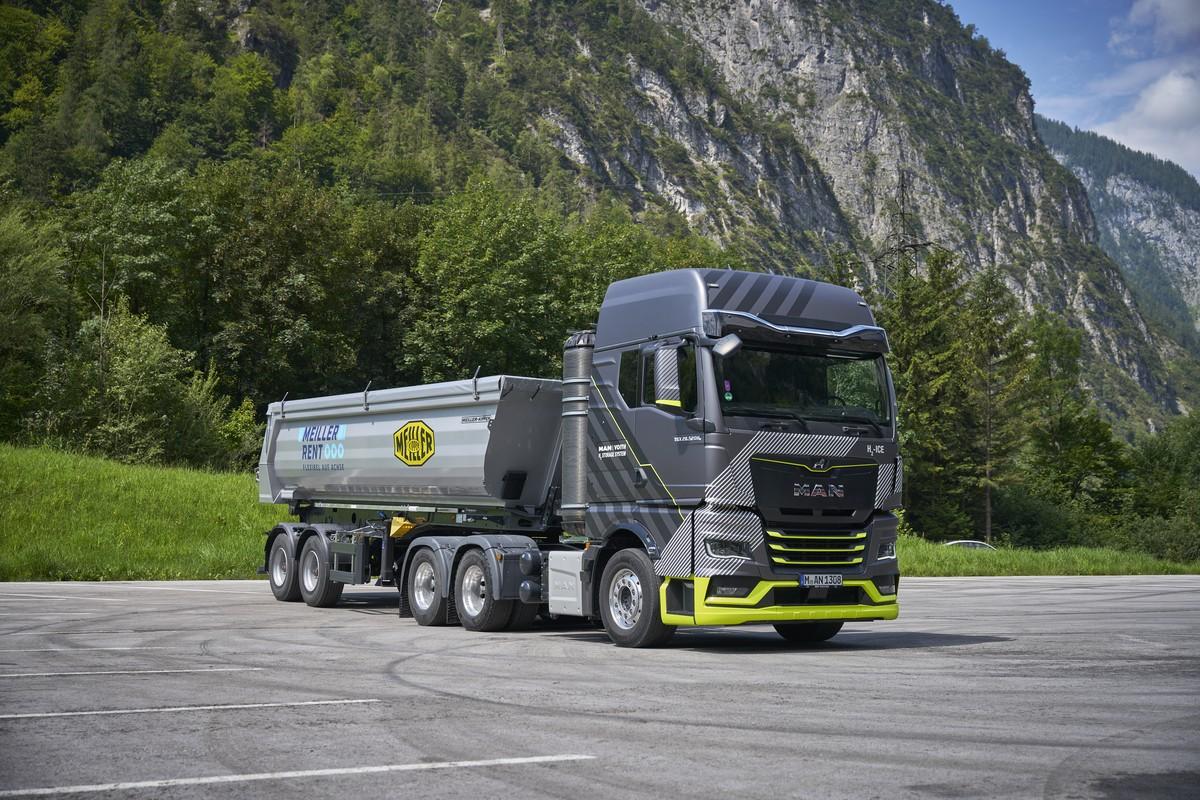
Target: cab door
673 470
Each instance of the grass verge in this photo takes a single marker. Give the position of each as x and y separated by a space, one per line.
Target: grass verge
930 559
71 517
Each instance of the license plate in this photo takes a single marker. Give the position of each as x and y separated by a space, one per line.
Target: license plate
820 580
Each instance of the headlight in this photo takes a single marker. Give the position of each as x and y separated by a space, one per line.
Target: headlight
887 549
726 548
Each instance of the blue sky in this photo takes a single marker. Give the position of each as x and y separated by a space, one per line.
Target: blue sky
1129 69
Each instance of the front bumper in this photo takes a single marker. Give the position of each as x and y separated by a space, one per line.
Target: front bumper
678 594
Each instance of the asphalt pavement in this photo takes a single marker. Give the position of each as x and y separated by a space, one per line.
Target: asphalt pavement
985 687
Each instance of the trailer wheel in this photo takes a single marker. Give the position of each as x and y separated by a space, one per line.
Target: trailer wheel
523 615
629 601
315 586
808 632
281 570
477 609
425 597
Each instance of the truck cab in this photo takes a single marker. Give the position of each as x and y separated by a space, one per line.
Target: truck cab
742 426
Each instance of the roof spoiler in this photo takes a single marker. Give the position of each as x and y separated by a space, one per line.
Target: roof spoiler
859 338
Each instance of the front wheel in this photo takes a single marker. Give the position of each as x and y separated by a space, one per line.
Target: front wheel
477 609
315 585
281 570
808 632
629 601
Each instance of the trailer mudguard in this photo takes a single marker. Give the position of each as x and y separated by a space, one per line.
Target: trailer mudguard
291 531
444 549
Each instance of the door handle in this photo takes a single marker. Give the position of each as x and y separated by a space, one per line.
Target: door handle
639 477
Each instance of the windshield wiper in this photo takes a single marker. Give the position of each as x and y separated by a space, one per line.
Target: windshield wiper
852 418
773 414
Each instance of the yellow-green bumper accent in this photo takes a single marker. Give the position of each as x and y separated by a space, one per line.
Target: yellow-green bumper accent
741 610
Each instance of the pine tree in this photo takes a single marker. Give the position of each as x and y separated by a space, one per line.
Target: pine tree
924 319
995 336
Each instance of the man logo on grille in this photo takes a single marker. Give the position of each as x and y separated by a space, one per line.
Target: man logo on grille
414 443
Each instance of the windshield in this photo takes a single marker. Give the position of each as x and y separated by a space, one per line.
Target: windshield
758 382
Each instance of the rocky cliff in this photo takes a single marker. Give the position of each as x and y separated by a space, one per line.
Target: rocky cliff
905 115
1148 215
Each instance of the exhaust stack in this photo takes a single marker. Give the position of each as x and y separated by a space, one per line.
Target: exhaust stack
576 388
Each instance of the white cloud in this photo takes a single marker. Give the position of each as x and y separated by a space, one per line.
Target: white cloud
1164 120
1174 22
1163 25
1152 103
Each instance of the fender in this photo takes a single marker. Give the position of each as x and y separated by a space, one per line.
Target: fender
320 530
443 549
289 530
639 530
504 574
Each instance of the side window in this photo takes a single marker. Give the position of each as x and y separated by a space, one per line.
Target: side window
685 356
627 378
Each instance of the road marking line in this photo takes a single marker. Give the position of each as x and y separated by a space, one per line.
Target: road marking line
66 597
274 776
127 672
90 649
175 589
164 709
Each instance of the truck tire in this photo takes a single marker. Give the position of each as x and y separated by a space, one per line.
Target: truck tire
281 570
808 632
523 615
477 610
315 586
425 598
629 601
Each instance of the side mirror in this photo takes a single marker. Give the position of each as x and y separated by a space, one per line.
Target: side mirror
666 377
727 345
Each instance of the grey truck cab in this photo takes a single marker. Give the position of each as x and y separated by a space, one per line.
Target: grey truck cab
720 450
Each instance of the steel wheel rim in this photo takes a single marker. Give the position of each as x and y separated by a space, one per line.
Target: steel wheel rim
279 567
424 586
625 599
474 590
310 572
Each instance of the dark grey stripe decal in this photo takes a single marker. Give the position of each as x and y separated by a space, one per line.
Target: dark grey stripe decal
786 293
728 288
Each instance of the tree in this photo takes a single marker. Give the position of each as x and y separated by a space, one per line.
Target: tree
33 304
930 357
1072 448
124 392
995 328
489 289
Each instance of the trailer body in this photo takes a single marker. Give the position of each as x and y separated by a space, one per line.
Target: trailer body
720 450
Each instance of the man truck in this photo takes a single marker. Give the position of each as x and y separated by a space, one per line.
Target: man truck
720 450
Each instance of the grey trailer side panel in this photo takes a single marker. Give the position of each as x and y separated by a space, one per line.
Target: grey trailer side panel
445 444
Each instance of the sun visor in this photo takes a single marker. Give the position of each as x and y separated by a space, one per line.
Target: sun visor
854 338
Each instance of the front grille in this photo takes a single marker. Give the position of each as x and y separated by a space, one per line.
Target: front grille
814 548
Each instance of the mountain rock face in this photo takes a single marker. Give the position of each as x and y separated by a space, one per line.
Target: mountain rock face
1148 215
907 120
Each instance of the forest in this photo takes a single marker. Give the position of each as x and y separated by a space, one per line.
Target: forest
201 211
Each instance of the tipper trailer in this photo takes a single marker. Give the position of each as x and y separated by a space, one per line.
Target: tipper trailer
720 450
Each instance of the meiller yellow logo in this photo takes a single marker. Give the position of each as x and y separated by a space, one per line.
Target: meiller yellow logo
414 443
